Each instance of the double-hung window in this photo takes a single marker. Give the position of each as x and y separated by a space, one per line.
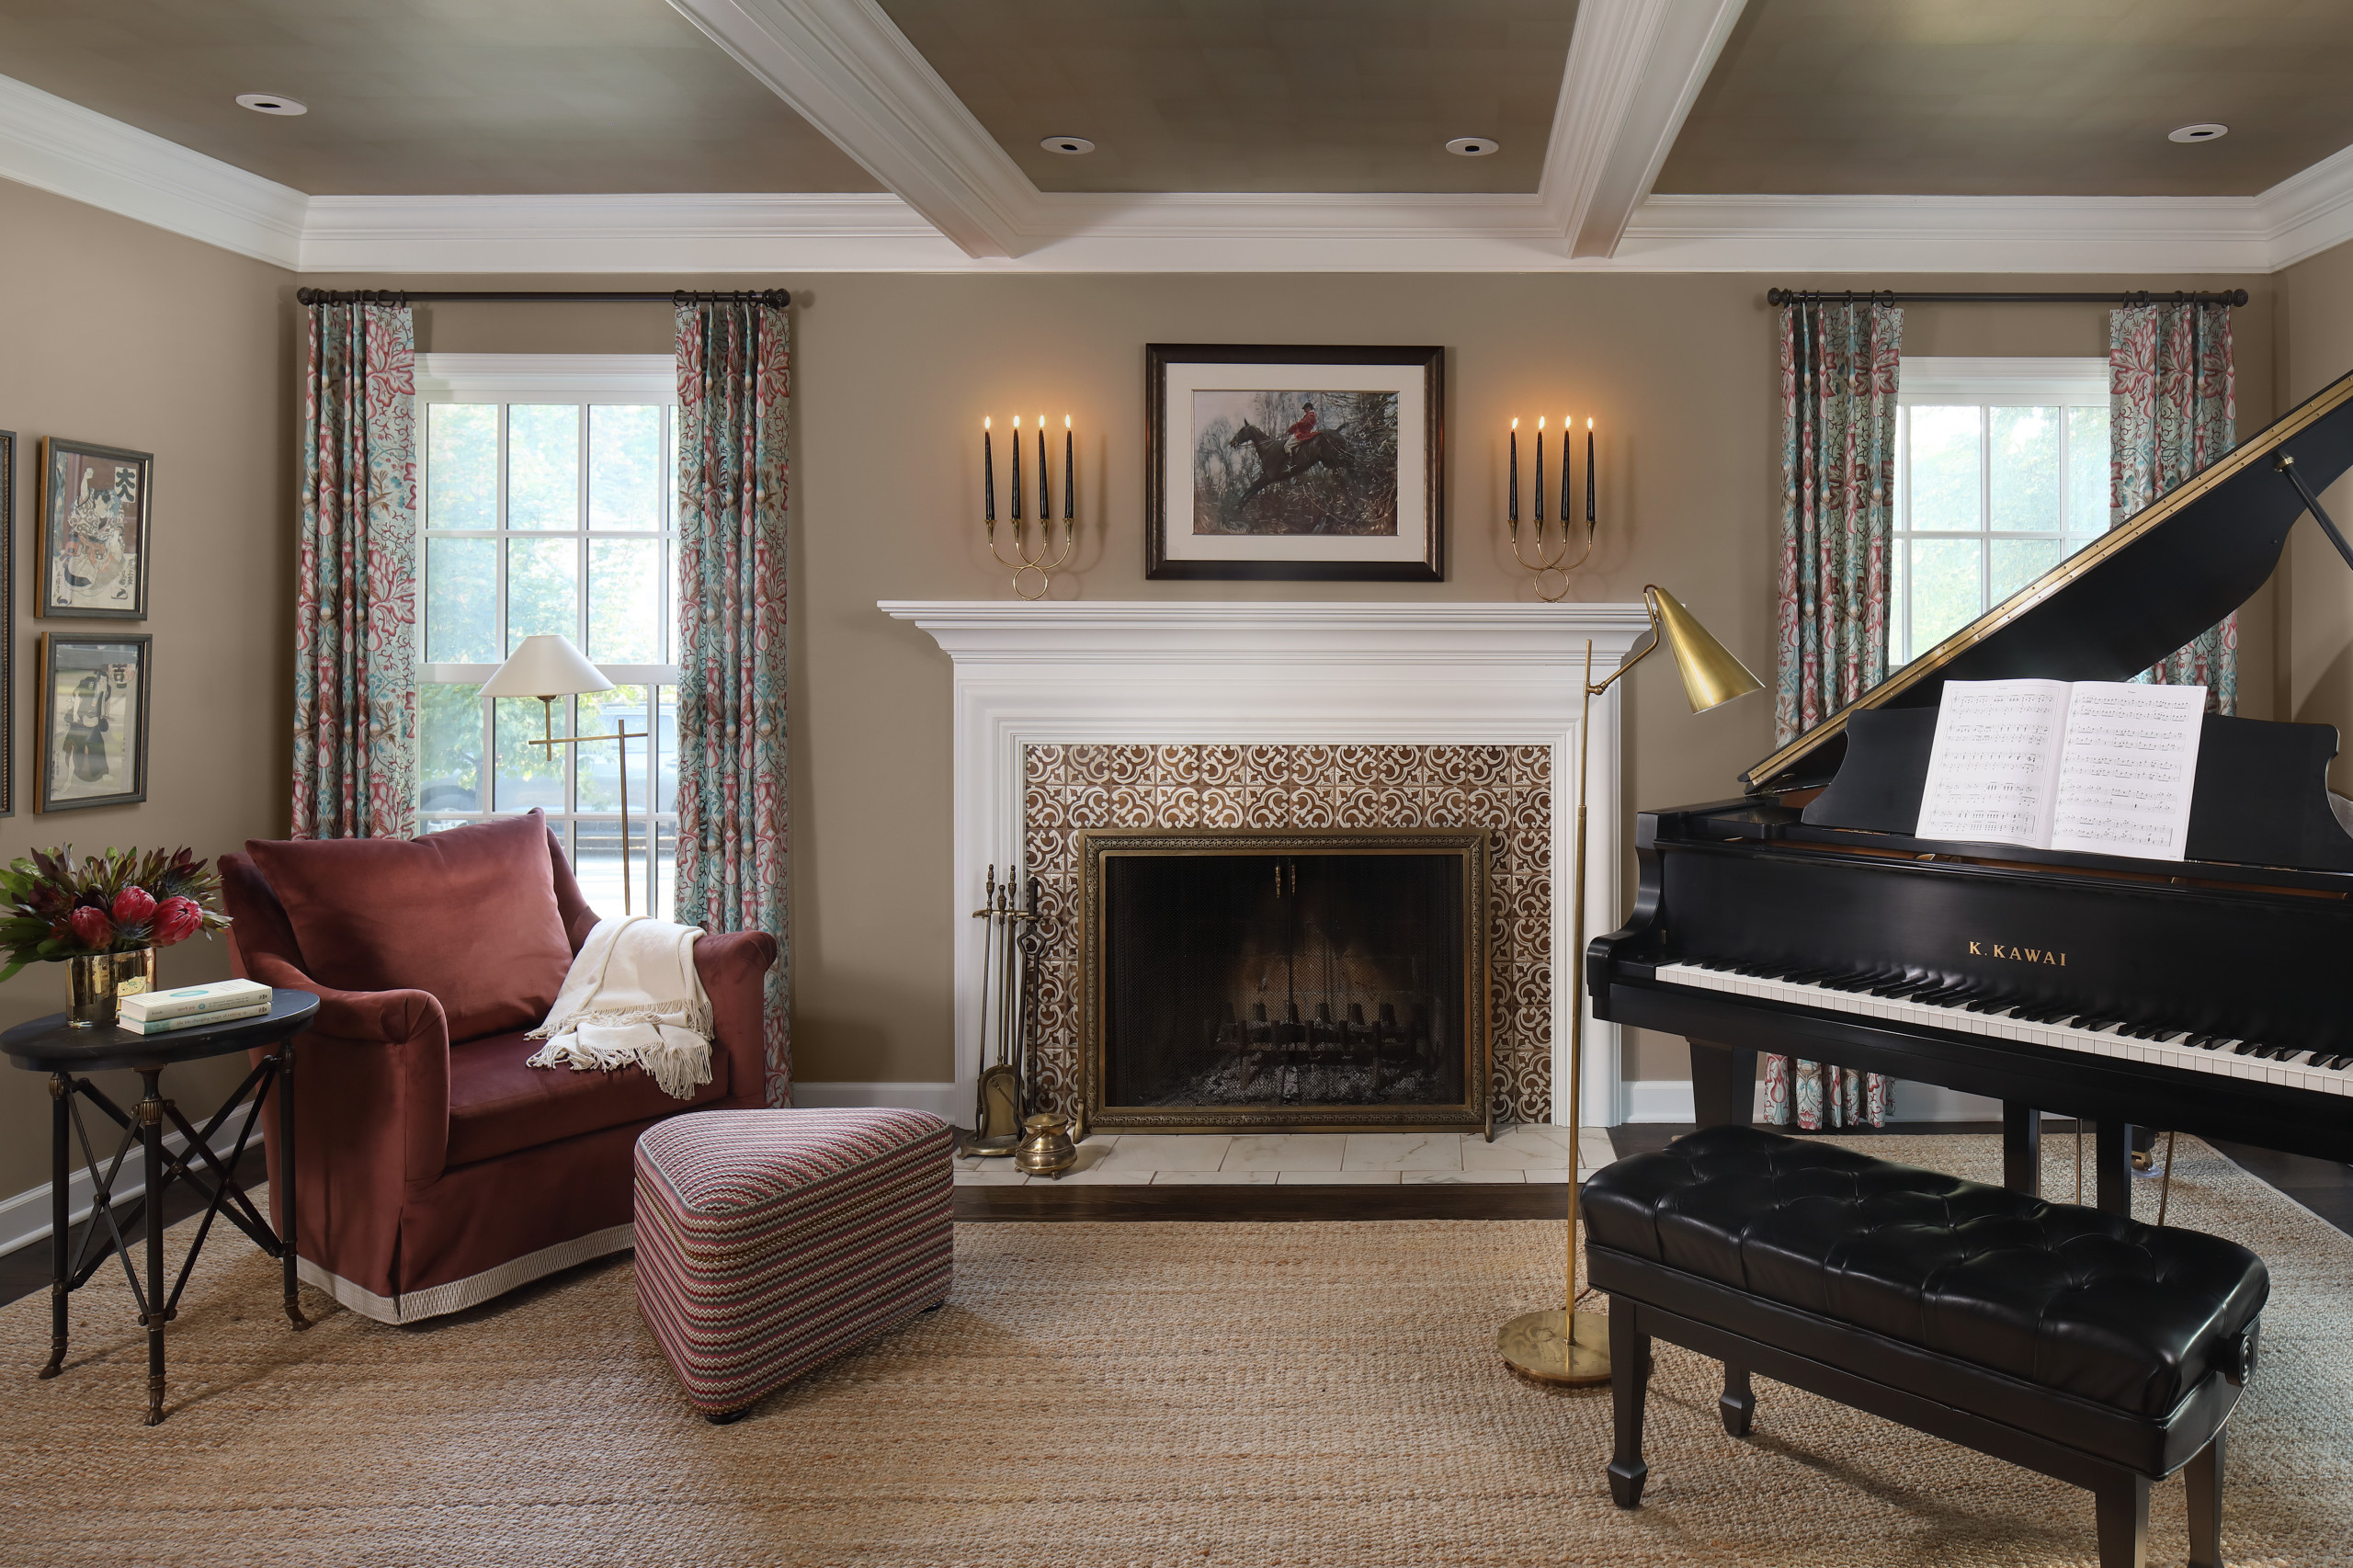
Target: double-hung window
2002 471
547 502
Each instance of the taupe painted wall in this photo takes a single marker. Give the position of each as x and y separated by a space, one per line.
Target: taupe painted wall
114 331
2315 659
894 372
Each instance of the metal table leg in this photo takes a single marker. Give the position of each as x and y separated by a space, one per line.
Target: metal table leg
61 1181
290 1233
151 1126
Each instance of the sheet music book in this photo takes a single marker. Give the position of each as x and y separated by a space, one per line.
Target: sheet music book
2097 766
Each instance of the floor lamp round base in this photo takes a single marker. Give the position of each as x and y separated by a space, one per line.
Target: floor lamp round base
1542 1348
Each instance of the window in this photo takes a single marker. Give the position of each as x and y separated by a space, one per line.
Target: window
547 502
2001 473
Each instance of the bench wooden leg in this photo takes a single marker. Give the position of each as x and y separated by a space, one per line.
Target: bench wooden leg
2123 1506
1738 1406
1629 1382
2204 1476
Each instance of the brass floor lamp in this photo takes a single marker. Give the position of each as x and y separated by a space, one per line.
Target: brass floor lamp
547 666
1568 1345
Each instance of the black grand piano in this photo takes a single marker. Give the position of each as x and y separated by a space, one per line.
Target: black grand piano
2211 995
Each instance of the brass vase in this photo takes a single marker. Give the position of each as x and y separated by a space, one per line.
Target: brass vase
96 982
1046 1147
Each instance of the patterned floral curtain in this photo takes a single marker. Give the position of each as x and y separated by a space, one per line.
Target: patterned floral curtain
734 388
1838 371
2172 410
355 623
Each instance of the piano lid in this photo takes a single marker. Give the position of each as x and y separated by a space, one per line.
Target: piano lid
2129 599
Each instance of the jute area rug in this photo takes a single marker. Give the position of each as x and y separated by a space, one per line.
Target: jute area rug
1092 1394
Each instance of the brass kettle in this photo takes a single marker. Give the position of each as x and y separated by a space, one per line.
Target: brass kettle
1046 1147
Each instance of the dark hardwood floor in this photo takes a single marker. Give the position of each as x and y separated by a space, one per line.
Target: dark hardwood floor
2321 1185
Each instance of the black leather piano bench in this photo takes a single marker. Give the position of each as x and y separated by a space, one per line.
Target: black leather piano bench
2083 1345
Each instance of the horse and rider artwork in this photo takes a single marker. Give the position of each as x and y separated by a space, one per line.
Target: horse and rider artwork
1275 462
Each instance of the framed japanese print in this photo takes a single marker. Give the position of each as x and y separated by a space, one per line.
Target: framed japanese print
1309 462
95 506
93 723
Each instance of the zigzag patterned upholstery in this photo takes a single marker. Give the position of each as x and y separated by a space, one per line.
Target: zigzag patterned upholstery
2099 1305
768 1241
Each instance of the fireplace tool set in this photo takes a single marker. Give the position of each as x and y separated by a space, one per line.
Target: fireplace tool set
1040 1142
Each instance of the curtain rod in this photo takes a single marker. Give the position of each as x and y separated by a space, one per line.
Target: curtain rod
427 296
1892 297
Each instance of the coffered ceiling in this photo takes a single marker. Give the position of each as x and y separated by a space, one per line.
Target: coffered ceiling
1259 135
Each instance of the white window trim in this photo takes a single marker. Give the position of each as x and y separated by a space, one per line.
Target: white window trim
552 378
1994 382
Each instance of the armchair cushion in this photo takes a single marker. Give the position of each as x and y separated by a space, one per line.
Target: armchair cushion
469 916
497 1105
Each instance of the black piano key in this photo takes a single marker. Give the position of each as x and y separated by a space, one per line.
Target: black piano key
2166 1036
2245 1048
2339 1064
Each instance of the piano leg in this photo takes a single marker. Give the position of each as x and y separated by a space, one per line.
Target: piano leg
1724 1085
2112 1166
2022 1148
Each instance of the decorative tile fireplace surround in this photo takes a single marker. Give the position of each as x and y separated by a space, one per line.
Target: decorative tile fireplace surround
1197 714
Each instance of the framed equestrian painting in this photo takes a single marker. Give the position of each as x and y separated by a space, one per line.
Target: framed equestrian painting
94 524
93 725
1307 463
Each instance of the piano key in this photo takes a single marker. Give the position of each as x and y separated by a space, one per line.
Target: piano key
2041 1024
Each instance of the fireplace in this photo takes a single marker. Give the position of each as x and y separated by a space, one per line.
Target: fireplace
1292 979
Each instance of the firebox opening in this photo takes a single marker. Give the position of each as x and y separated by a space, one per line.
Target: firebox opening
1284 980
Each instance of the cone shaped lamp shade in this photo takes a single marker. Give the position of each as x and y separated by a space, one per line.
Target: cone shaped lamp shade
549 666
1712 677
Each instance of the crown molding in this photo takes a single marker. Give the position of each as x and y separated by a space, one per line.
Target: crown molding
54 145
2311 211
1634 69
845 67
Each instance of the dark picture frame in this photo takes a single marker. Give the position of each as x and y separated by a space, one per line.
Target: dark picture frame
95 532
7 623
91 710
1227 498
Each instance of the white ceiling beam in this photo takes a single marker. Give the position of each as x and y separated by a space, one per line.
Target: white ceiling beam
1635 67
845 67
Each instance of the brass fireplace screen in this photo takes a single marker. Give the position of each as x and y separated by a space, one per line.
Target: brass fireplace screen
1295 980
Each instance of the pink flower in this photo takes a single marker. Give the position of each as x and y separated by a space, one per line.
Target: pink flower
92 928
134 906
177 919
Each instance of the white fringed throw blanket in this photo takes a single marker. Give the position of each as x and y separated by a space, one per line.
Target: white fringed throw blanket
633 997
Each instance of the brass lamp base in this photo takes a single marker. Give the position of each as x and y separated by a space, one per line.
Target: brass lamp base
1542 1347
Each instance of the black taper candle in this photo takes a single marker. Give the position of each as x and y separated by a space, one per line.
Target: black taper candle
1588 469
1566 465
1016 473
1045 479
1512 506
1540 481
988 475
1070 509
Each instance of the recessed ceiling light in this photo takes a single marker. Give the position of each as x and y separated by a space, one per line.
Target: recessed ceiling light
1072 145
271 102
2198 133
1472 146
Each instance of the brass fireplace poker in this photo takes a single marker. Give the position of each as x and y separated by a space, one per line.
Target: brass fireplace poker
1563 1344
1011 910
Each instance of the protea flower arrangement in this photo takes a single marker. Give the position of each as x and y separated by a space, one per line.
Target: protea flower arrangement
119 901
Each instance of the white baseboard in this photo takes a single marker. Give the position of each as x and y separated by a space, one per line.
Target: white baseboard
25 1218
941 1099
1669 1100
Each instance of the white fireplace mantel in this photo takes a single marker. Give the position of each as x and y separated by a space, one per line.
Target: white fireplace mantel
1187 672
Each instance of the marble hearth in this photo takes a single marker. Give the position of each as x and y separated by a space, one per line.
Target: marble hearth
1311 1159
1192 713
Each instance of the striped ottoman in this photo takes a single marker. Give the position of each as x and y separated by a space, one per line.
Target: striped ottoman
770 1239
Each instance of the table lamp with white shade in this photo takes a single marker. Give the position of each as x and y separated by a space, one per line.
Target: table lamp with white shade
547 666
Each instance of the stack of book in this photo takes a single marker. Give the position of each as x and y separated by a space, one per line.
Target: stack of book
187 1006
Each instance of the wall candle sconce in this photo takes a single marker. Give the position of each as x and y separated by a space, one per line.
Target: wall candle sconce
1029 560
1552 565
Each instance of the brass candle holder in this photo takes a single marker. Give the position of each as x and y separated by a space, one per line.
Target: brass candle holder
1029 560
1553 565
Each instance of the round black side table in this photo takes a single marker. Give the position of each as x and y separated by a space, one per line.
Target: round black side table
47 1045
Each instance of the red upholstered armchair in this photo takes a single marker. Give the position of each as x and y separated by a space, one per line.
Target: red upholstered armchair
437 1170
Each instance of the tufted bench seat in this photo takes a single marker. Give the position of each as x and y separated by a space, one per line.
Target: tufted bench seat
2083 1345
